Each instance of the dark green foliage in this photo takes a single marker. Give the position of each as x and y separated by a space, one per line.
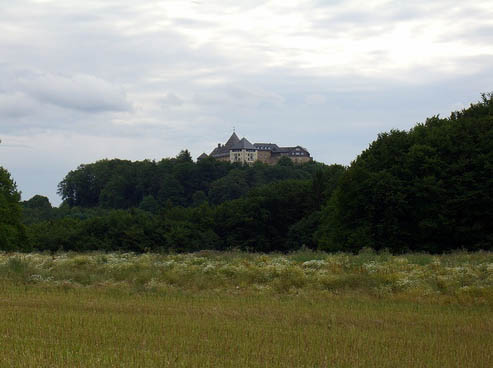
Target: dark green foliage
261 221
132 230
60 234
12 232
149 204
426 190
121 184
232 186
37 209
429 189
182 206
38 202
302 232
189 229
184 156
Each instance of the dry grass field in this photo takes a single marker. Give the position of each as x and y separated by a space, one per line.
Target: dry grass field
246 310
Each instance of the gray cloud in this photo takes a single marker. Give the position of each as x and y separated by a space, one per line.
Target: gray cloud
80 92
16 105
234 96
171 100
475 34
87 80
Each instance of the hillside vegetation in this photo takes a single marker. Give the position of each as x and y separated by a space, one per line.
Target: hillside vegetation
429 189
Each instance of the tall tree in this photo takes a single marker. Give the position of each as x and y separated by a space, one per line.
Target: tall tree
12 232
429 189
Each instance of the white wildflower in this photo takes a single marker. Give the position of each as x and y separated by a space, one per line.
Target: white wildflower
314 263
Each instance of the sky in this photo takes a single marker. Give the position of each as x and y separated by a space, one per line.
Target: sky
86 80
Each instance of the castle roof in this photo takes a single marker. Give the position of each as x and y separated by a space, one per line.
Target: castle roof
219 152
232 140
243 144
203 155
267 146
294 151
296 148
234 143
223 150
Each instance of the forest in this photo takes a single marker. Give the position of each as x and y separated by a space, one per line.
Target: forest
429 189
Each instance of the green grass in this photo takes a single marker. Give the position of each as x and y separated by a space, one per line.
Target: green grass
246 310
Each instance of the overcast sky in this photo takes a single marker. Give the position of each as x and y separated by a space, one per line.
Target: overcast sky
86 80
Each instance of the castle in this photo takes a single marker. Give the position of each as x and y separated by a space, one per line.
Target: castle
241 150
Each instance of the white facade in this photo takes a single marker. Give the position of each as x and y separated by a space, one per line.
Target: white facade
245 156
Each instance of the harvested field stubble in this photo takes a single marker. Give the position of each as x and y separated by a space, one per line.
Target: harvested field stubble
246 310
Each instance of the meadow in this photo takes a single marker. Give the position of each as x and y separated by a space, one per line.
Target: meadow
233 309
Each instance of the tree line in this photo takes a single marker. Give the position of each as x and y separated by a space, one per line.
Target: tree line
429 189
149 185
426 189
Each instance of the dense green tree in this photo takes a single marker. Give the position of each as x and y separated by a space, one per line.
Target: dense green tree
171 191
285 161
38 202
59 234
231 186
198 198
429 189
184 156
37 209
12 232
262 219
189 229
186 207
149 204
123 230
122 184
325 180
301 234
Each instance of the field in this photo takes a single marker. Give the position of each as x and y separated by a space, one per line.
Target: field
213 309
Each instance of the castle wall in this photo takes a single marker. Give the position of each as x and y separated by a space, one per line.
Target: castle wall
274 159
223 158
296 159
300 159
264 156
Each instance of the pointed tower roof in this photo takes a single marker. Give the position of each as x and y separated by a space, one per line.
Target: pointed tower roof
243 144
202 156
232 140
